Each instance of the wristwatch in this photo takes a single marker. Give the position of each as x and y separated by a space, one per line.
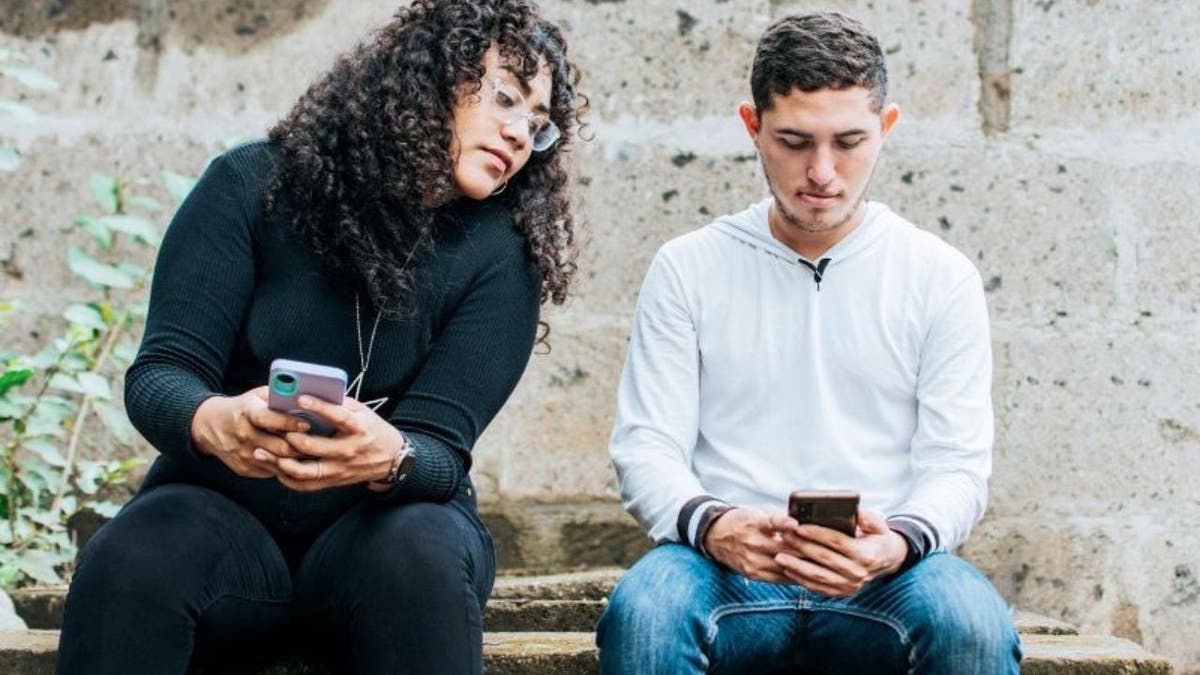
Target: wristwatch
402 465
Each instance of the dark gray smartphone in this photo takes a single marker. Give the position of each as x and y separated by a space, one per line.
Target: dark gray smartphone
837 510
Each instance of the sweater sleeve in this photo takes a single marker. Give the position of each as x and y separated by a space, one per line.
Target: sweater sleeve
952 445
473 366
658 415
203 280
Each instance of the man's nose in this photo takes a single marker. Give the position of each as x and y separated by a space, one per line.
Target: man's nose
821 169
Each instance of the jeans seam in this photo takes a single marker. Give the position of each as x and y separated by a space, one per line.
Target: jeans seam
721 612
886 620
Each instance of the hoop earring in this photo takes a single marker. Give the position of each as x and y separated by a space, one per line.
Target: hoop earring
500 189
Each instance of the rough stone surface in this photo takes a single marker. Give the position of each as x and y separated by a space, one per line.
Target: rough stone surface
1053 142
574 653
1087 655
8 614
555 536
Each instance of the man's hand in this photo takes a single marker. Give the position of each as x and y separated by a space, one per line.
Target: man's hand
830 563
748 541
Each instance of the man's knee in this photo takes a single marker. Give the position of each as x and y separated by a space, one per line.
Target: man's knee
959 614
661 590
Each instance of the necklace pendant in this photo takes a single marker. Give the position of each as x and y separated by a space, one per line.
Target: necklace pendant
355 387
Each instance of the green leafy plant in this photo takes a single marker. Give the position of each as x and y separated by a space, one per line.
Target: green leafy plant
54 399
14 67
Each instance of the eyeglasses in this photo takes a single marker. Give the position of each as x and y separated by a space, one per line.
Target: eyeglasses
509 106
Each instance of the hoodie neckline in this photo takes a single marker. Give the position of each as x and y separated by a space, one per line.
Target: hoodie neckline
751 226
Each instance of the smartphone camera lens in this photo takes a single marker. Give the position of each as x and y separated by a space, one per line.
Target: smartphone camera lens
284 384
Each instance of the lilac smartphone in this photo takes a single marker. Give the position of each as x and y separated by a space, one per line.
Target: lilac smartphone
290 379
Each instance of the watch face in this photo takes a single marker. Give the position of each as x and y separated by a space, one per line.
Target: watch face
406 464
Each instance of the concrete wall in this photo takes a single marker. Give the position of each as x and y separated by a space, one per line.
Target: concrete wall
1052 141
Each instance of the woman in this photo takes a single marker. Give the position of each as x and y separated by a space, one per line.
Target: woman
404 222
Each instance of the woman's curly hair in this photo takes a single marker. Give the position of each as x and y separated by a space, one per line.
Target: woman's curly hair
367 147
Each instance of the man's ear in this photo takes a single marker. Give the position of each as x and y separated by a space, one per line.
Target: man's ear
888 118
749 115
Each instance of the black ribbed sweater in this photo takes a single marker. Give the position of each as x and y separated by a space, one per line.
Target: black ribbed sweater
234 290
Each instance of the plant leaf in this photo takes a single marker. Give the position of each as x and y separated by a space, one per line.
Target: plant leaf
39 566
105 509
97 230
125 351
9 410
23 113
65 382
89 477
134 271
45 449
95 386
95 271
138 228
178 185
14 377
147 204
30 77
10 159
116 421
85 315
104 191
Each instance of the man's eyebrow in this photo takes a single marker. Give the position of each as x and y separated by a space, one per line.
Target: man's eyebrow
526 90
807 136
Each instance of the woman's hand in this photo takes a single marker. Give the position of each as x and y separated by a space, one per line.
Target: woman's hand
362 450
232 429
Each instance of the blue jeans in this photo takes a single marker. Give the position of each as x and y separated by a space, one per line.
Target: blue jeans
676 612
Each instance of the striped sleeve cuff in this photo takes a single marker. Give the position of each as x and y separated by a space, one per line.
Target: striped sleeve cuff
696 516
920 534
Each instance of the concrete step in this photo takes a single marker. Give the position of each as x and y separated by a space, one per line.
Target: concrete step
574 653
33 652
543 624
1088 655
557 602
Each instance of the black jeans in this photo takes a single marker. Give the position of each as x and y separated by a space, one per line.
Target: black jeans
185 575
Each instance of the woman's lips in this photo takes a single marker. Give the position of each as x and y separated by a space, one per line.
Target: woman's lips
499 161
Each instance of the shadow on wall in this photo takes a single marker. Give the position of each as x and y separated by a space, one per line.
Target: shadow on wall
233 25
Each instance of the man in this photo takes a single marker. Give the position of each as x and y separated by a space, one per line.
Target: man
814 341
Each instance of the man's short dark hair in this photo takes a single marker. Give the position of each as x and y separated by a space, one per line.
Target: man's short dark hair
825 50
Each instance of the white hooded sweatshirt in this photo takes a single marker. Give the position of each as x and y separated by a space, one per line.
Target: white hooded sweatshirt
750 375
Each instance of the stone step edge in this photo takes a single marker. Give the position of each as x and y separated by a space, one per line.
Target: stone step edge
33 652
26 652
548 610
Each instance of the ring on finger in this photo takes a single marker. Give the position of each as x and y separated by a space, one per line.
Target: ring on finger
318 469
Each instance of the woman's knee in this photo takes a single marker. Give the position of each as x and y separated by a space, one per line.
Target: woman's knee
174 540
418 549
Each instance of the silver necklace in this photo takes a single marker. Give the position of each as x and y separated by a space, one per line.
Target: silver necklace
364 358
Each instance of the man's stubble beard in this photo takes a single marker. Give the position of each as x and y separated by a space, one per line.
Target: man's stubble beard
815 226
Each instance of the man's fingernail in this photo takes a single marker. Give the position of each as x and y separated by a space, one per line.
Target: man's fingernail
305 401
